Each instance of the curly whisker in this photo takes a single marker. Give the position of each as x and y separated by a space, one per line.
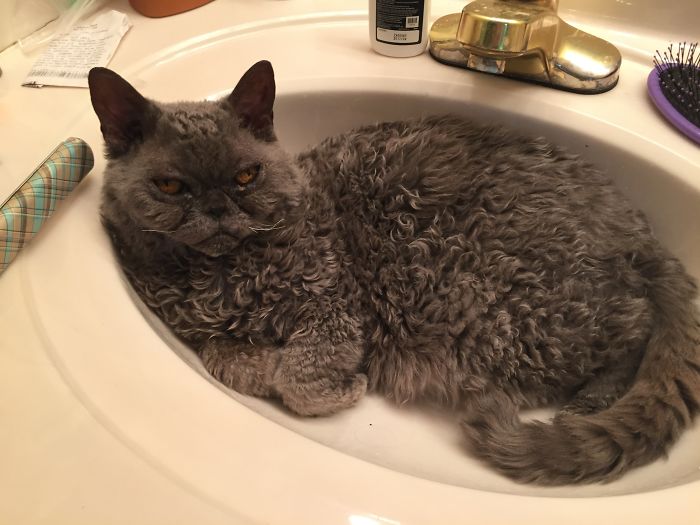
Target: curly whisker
158 231
276 226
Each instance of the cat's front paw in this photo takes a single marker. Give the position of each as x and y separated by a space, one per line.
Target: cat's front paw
247 371
324 396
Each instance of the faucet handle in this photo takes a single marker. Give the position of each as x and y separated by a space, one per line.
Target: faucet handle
525 39
512 26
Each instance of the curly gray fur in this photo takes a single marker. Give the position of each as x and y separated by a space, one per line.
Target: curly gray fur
428 259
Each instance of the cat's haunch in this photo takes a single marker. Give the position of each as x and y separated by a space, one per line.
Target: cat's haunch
430 259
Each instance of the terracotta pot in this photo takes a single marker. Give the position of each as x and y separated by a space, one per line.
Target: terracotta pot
160 8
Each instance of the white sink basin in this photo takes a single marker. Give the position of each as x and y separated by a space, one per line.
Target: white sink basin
380 463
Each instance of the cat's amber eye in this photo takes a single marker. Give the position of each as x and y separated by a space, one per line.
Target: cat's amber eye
247 175
170 186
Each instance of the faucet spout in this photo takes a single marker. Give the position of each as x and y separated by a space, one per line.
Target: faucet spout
525 39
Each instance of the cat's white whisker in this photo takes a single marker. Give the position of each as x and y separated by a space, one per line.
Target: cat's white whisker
276 226
159 231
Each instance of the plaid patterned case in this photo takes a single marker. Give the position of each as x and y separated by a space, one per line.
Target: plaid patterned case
32 204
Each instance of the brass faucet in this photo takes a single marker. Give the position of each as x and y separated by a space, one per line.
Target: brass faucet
526 40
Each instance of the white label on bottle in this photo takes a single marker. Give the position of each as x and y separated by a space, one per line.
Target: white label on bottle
399 21
398 37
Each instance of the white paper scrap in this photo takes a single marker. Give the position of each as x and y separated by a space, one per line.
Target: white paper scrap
70 56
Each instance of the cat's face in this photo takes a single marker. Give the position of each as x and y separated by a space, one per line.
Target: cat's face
205 174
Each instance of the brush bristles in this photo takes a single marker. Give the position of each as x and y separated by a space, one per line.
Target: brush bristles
679 76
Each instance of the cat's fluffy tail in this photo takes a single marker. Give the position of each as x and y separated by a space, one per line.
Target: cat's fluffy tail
634 431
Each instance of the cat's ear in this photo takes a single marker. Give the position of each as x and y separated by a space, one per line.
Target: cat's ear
125 115
252 100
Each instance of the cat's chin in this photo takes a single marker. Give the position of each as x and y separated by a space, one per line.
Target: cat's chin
218 245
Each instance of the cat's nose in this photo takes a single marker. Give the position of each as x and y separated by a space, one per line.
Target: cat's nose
217 211
216 205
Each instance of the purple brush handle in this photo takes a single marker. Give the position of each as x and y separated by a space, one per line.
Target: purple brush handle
666 108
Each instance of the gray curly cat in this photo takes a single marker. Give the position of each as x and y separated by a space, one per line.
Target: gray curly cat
430 259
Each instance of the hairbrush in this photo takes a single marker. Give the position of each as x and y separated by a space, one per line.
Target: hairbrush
674 87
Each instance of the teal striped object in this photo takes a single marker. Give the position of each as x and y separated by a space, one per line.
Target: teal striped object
26 210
